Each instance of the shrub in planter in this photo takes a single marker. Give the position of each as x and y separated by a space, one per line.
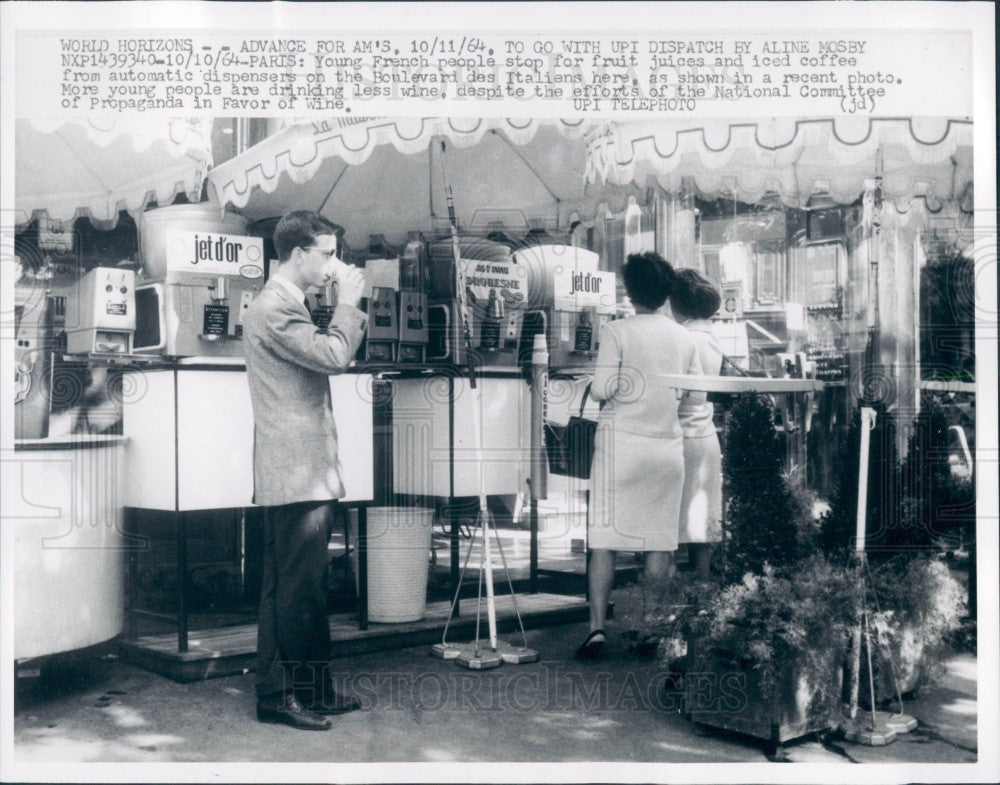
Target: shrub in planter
938 506
667 623
911 504
764 517
769 652
918 604
838 526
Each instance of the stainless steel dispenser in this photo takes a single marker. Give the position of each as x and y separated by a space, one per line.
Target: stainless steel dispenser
200 273
195 306
383 325
576 301
413 322
34 346
100 312
499 290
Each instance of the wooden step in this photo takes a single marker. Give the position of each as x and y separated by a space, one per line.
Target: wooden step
228 651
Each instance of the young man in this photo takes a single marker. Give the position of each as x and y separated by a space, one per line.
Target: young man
297 470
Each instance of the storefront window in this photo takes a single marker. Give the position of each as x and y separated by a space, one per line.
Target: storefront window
816 274
613 256
769 272
947 319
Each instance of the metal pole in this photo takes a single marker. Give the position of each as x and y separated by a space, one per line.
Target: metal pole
539 464
872 354
182 582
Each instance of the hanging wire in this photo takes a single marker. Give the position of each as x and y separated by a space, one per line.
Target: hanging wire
510 585
870 582
458 591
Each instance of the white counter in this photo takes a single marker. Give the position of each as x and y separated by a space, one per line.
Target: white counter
190 438
64 528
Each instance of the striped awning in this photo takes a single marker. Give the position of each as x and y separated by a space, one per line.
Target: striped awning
791 159
387 176
97 167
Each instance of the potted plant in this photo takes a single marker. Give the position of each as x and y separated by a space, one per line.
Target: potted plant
917 605
766 648
914 505
768 652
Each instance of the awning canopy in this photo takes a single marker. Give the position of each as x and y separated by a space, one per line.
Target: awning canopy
791 159
386 176
97 167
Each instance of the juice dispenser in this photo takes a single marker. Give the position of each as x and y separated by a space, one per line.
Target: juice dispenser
100 312
499 291
381 343
413 321
34 345
195 307
576 301
200 272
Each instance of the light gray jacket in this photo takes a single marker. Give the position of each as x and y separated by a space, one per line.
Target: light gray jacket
288 363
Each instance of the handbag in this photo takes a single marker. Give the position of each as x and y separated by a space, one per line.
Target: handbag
570 447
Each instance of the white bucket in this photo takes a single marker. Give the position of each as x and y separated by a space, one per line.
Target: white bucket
155 223
399 541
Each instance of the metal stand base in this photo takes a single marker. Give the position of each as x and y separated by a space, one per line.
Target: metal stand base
861 730
901 723
445 651
477 658
516 655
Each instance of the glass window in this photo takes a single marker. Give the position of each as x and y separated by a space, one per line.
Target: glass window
816 274
769 272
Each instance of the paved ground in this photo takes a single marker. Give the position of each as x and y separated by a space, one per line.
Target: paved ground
418 708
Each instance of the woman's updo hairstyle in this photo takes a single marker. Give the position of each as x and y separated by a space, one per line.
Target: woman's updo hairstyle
649 279
694 296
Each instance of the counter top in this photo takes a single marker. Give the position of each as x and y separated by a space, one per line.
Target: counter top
375 369
739 384
73 441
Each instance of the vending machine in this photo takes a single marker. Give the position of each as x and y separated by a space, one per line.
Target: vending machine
100 312
193 305
576 300
495 291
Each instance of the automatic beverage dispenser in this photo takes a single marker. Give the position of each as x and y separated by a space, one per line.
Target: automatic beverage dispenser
197 283
413 324
381 344
100 312
34 345
499 291
576 301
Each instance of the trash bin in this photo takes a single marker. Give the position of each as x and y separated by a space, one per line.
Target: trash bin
399 541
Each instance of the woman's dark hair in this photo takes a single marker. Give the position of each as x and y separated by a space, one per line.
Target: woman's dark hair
649 279
694 296
298 229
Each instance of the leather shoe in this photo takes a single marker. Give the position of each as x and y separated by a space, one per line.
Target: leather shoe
286 710
333 702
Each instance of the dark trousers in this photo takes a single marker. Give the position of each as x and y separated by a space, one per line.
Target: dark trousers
293 631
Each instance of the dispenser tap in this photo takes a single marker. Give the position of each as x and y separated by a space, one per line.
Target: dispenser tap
220 292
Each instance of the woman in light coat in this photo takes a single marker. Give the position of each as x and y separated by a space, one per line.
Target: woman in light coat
637 473
694 301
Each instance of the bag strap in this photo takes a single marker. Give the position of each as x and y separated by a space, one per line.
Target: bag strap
583 400
728 364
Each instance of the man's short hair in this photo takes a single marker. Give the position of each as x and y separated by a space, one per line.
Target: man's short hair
649 279
694 295
299 229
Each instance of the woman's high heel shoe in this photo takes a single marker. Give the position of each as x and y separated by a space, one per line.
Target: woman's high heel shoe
592 646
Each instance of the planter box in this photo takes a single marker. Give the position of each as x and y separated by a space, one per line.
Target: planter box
723 693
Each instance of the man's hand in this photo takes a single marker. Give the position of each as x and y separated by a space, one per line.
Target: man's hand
350 284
